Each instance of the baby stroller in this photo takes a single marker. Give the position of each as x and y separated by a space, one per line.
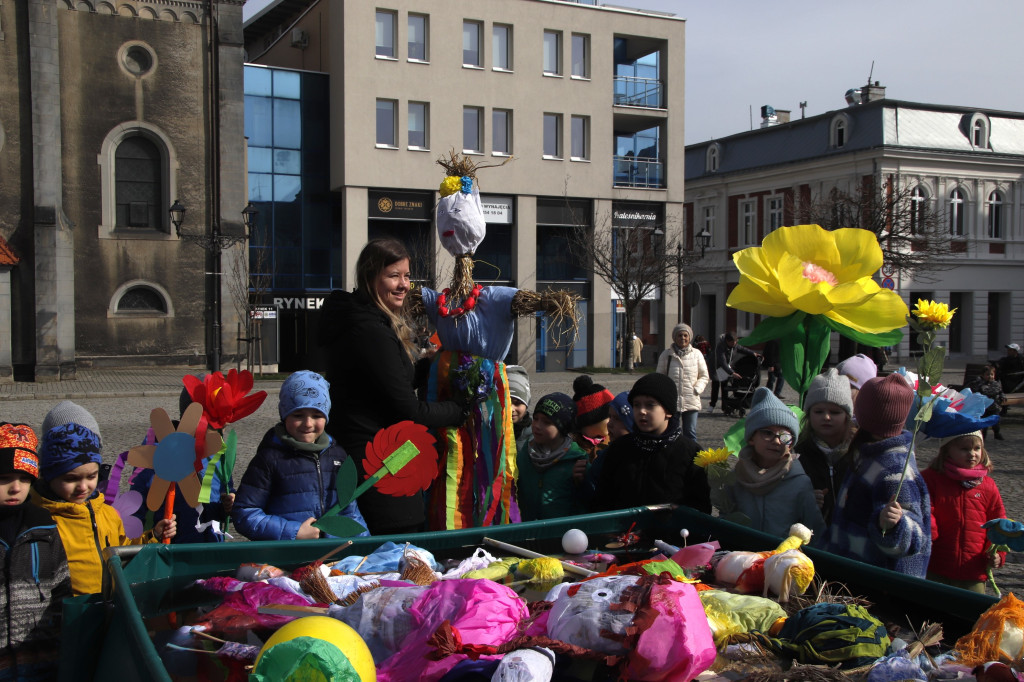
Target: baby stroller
737 393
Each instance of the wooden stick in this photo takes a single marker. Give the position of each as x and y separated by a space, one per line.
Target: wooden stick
207 636
334 551
519 551
292 610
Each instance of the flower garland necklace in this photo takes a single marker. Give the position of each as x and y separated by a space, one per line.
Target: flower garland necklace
466 306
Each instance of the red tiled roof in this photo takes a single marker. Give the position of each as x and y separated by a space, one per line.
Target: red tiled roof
7 256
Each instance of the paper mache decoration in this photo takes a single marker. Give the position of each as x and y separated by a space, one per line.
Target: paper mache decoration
460 217
315 648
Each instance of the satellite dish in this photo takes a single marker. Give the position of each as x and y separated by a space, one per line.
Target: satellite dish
693 295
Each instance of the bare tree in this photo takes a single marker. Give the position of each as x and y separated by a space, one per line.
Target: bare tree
635 261
913 234
248 281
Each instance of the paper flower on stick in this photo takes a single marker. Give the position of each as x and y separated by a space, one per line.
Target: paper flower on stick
224 400
172 459
126 504
809 282
401 461
1006 535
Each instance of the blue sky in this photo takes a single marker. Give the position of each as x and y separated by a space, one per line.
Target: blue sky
742 54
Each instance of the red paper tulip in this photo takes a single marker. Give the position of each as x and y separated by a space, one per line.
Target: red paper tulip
414 476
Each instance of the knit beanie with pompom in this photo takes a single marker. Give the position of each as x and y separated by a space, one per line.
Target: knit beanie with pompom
592 401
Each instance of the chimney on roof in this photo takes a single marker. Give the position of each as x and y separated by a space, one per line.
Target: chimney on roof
782 115
872 92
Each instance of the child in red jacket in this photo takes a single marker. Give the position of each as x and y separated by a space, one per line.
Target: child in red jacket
963 497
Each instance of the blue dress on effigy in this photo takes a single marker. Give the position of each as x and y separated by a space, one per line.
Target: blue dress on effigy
477 464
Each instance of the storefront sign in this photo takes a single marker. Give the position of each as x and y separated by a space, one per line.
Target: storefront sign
263 312
400 205
303 303
497 210
635 215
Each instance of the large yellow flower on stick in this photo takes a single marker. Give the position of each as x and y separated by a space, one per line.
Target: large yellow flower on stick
808 282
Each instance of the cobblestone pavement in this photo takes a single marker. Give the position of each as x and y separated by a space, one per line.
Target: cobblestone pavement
121 400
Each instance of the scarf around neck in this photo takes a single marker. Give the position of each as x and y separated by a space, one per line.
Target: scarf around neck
649 443
322 441
969 478
544 458
680 352
756 479
832 454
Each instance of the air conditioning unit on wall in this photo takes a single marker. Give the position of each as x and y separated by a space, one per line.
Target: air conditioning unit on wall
300 38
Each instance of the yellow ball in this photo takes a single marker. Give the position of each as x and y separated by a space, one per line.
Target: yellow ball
330 631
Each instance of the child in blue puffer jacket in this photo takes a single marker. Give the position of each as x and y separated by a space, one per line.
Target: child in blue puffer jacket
290 482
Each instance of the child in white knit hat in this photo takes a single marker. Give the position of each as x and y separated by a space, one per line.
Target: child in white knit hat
963 496
771 488
824 445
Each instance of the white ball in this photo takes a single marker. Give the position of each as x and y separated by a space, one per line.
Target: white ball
575 541
684 533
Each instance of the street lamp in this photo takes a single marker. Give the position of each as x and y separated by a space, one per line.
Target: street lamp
705 240
213 243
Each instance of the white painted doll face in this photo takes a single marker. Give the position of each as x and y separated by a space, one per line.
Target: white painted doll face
460 222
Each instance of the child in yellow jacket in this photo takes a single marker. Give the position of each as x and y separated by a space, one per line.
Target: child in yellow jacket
69 466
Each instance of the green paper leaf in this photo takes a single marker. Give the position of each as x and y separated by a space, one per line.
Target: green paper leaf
930 366
400 457
925 413
226 467
733 438
346 482
890 338
338 525
802 353
774 328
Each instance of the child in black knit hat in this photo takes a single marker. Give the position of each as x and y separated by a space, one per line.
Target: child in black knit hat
654 464
546 487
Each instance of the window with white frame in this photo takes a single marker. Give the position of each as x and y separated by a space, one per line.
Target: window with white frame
711 162
552 136
839 132
709 223
419 122
918 210
140 298
979 131
471 33
579 145
956 213
995 215
774 214
552 53
418 33
387 123
501 132
386 24
580 55
501 47
748 222
472 130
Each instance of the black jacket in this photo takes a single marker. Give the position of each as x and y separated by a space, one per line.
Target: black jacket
36 582
823 475
371 379
631 477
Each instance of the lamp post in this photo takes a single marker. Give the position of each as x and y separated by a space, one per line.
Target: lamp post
705 240
213 243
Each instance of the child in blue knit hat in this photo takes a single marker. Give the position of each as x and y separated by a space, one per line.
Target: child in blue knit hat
290 482
69 468
771 488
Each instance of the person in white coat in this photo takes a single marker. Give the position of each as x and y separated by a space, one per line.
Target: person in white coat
685 365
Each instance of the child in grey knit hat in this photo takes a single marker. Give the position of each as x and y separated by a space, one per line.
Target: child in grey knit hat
824 444
771 488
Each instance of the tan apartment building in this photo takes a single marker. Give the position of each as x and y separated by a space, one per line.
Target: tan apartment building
586 101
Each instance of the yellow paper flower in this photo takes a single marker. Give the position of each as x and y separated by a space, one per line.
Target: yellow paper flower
933 315
706 458
451 185
819 272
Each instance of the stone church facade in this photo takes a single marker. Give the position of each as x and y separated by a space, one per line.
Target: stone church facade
109 113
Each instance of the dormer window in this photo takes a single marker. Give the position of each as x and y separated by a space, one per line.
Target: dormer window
711 164
839 131
978 131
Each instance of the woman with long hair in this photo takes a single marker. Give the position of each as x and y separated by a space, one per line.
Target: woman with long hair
370 365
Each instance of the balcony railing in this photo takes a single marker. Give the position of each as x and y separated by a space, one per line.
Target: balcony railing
638 171
638 92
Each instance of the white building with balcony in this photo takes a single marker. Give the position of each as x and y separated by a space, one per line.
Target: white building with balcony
961 163
586 100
